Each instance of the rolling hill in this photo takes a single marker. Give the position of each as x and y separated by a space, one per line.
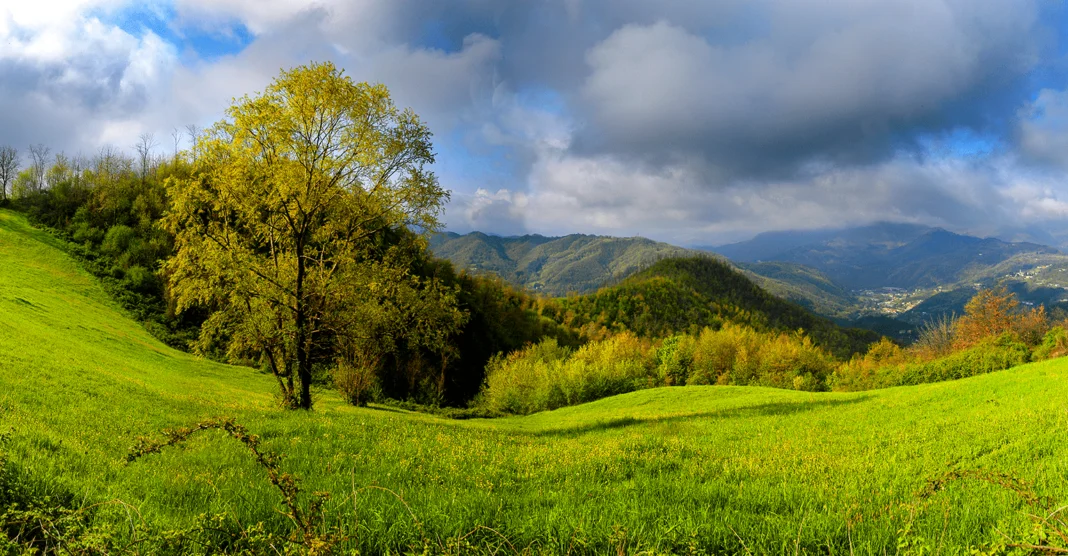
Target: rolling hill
675 295
671 470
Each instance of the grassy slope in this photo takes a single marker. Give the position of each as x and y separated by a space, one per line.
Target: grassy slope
79 382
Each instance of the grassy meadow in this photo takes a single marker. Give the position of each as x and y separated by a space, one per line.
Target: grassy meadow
704 469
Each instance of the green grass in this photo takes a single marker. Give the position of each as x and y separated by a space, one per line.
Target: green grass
662 469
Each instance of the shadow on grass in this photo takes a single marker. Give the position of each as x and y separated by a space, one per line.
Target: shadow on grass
761 410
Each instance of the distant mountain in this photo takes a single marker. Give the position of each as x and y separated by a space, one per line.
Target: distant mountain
773 246
890 255
554 266
677 294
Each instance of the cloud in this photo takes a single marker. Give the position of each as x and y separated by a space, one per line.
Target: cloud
1042 132
68 77
841 82
502 212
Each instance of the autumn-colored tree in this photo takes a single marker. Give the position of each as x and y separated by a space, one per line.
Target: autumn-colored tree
993 312
294 228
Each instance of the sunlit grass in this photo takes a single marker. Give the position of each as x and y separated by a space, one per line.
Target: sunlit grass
663 469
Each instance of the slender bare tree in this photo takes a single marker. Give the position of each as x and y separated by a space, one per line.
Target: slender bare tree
145 144
193 131
39 155
176 135
9 168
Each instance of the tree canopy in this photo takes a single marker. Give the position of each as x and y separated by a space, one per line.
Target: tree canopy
295 229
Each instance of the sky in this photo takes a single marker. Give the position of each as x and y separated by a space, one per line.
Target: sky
693 122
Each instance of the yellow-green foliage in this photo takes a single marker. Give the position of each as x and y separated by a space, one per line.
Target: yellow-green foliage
546 376
989 355
1054 344
740 355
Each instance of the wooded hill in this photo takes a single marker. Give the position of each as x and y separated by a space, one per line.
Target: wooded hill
682 294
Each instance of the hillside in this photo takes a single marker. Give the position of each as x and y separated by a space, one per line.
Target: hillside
555 266
803 285
675 470
675 295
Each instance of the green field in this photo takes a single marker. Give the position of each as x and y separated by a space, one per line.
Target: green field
669 470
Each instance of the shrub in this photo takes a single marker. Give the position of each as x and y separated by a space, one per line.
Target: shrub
358 384
936 338
717 351
520 382
118 240
740 355
674 359
869 371
546 376
1054 344
989 355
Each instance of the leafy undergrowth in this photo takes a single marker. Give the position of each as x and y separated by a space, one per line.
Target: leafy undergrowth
708 469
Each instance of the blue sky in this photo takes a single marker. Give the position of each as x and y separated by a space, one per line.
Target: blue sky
691 122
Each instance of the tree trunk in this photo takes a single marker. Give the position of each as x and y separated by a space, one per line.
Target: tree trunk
303 363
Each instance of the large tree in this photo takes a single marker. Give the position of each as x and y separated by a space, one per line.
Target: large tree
295 229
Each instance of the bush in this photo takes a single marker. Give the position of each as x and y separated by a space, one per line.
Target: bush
1054 344
358 384
546 376
989 355
674 360
936 338
118 240
522 381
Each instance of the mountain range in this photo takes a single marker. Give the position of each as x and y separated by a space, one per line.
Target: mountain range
910 272
886 255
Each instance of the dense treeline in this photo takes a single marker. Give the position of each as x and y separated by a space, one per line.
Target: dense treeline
548 375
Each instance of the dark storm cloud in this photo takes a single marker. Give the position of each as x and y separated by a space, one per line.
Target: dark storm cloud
850 93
